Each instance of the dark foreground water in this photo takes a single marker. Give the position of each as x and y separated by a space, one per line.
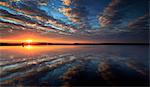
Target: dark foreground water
74 65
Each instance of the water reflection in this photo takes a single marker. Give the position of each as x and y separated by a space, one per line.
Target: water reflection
73 65
30 50
28 47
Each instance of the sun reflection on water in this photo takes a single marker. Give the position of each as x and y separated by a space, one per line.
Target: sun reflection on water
28 47
34 50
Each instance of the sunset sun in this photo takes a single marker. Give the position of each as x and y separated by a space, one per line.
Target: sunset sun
29 41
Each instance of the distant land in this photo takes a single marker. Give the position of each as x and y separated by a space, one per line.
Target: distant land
44 43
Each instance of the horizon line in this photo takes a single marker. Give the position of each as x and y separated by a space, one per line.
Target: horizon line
45 43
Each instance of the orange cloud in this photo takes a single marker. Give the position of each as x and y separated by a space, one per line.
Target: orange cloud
104 21
72 16
108 13
67 2
139 22
4 4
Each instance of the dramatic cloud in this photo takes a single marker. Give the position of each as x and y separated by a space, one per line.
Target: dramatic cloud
75 12
40 21
98 19
109 13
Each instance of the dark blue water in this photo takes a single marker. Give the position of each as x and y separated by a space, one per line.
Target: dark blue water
76 66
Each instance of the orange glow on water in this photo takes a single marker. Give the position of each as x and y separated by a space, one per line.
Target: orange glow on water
28 47
34 50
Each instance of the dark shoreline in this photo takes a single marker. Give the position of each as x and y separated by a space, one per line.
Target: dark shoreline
41 43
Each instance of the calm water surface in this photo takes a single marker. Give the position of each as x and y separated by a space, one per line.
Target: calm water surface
73 65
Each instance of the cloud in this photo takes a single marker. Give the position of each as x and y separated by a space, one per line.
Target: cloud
42 2
6 14
80 14
136 30
75 12
104 21
32 17
67 2
68 12
139 23
110 13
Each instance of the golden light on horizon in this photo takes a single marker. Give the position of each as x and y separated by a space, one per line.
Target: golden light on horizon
29 41
34 50
30 38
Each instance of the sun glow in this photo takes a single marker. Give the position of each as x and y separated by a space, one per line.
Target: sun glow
29 41
31 38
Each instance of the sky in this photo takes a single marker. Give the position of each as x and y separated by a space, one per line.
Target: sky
74 20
